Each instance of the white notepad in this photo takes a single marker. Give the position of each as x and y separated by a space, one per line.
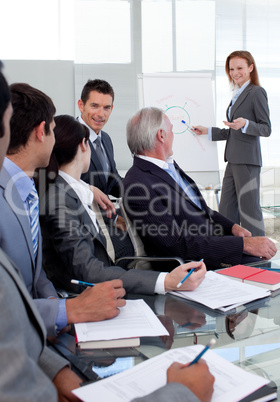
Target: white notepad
136 319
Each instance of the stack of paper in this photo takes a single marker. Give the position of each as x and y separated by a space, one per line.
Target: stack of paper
136 319
232 383
222 293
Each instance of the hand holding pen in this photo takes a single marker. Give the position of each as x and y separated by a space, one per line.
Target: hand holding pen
187 275
96 303
176 275
199 130
196 359
196 377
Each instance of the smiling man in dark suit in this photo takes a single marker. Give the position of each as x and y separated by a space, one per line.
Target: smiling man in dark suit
168 209
96 106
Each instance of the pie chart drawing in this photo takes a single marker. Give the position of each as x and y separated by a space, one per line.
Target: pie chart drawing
176 114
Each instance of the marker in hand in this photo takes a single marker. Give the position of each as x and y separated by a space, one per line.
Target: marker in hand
209 345
186 277
192 128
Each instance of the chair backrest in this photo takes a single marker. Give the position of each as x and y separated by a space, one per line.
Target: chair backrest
136 241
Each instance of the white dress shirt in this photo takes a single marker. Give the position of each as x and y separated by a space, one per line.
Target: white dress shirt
84 193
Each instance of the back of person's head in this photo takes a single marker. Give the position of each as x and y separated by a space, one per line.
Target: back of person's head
31 108
101 86
243 54
69 133
142 128
5 99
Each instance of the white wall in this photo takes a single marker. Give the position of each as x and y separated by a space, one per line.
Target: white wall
54 77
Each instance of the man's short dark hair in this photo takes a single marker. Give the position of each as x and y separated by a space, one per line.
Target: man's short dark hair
5 98
101 86
31 108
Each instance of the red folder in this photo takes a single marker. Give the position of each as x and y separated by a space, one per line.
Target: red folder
254 276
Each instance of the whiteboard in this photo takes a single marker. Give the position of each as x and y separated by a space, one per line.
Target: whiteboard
187 97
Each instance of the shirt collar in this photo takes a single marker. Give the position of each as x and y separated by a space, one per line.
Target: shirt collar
159 162
80 187
92 133
22 182
237 91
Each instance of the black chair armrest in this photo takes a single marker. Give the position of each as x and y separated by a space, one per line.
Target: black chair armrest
135 259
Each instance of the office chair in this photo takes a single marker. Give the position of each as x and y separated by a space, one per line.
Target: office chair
140 260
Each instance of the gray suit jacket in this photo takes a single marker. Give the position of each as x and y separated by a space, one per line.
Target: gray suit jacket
16 241
244 148
72 248
26 364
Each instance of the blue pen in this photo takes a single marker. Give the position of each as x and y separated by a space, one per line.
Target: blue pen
186 277
76 282
195 360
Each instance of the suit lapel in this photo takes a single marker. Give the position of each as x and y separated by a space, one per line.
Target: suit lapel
84 216
240 100
16 277
163 175
106 145
194 187
15 202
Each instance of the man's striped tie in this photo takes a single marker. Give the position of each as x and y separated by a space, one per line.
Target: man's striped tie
33 203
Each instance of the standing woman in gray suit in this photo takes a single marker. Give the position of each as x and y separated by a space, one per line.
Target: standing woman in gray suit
247 121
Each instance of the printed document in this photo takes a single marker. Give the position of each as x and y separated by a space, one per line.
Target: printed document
232 383
220 292
136 319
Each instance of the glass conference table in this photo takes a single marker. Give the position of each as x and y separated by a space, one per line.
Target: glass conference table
248 337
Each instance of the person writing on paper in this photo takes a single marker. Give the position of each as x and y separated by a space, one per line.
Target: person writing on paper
73 243
184 383
167 208
247 121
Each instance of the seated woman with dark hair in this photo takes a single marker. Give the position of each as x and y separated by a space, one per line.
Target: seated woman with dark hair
74 246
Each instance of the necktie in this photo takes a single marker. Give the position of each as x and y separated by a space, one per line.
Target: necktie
183 183
33 204
101 156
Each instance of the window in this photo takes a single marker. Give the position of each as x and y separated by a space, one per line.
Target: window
86 31
178 35
102 31
29 29
195 35
157 40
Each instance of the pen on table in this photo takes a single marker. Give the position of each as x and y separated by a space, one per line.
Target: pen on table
186 277
195 360
76 282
